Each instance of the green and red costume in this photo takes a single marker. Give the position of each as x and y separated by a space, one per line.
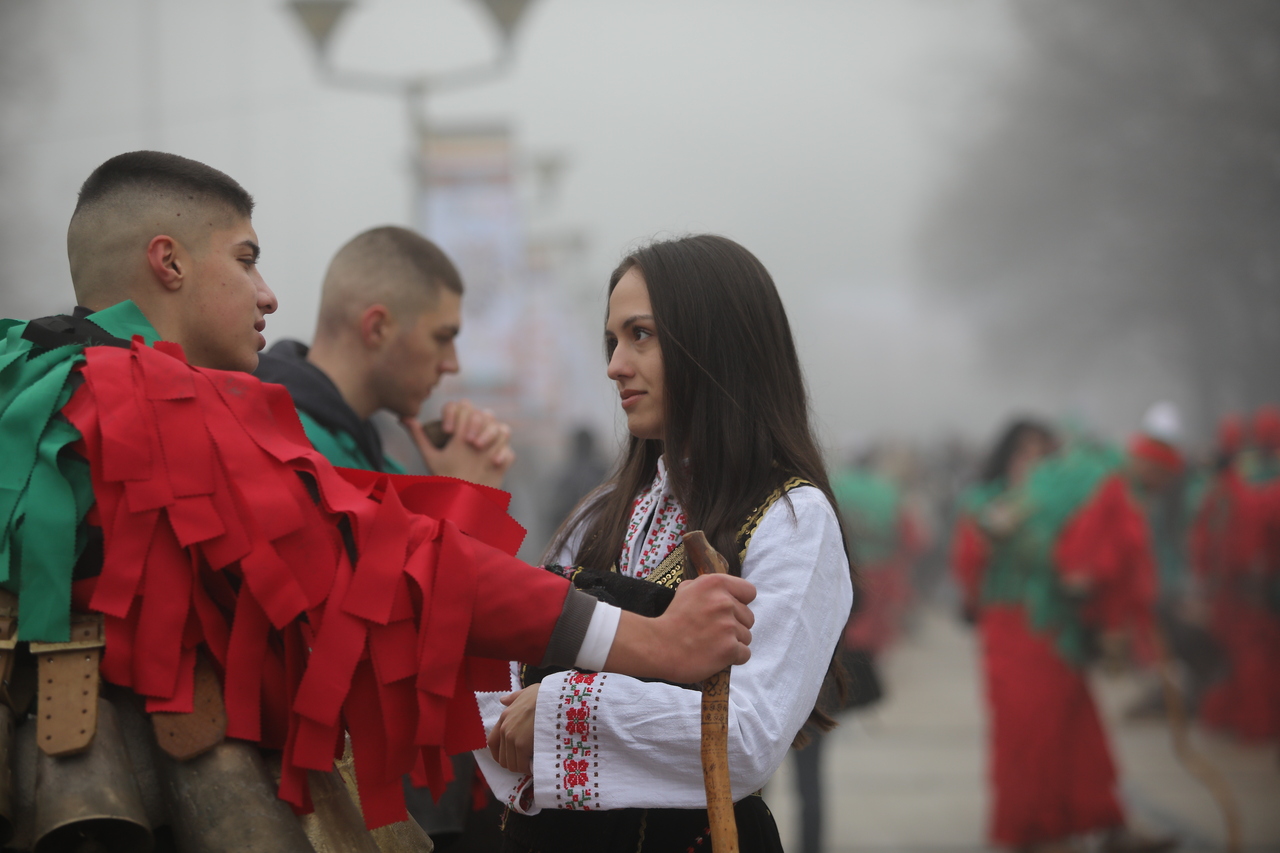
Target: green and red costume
1235 550
886 539
330 600
1050 765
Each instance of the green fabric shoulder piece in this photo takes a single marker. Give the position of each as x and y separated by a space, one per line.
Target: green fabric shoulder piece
870 505
340 448
1197 489
1060 486
124 320
391 466
45 489
976 498
1259 468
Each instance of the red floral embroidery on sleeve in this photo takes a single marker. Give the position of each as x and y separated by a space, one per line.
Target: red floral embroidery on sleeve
577 756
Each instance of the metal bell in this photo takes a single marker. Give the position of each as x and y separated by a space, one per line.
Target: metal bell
336 825
224 801
90 800
8 749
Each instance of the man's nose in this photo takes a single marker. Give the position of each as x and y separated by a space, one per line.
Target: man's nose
267 299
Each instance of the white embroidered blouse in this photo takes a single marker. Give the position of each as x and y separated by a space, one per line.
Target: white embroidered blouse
607 741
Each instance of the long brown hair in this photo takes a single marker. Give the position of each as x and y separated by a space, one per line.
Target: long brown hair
737 412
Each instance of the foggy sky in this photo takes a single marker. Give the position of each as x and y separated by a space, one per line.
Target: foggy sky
818 134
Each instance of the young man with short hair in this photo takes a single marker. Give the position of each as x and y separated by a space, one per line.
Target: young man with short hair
390 311
204 524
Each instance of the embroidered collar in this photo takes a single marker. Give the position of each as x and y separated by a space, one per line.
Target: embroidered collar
657 524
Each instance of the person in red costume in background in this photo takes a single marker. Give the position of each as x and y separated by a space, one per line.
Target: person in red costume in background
1050 551
1265 475
886 537
1154 470
1262 469
1234 554
182 497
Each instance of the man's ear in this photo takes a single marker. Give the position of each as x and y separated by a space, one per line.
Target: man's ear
167 261
377 326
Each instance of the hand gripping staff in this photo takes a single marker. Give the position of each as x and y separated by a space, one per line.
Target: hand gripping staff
703 559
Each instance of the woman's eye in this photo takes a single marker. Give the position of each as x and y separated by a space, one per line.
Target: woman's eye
641 333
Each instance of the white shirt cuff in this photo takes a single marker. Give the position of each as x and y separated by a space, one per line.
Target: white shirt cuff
599 639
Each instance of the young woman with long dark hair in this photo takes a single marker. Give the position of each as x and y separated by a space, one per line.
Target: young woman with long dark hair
707 374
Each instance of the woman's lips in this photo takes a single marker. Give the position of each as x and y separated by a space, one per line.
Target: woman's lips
630 398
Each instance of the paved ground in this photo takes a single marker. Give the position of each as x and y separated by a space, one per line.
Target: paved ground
909 776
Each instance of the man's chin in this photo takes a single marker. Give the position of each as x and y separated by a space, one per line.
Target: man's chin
245 363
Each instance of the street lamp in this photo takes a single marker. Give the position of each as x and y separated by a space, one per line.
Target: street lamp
320 18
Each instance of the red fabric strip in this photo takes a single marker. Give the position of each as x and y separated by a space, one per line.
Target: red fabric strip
339 642
126 546
381 797
273 585
379 573
163 616
194 519
184 697
214 628
243 687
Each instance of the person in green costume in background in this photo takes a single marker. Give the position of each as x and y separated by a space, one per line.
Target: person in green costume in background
883 539
1053 555
390 311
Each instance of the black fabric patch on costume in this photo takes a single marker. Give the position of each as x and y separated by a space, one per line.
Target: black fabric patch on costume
61 330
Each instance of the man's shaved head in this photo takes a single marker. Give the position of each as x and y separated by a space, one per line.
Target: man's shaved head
130 199
391 266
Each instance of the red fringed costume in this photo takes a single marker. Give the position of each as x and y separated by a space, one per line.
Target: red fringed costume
225 530
1232 538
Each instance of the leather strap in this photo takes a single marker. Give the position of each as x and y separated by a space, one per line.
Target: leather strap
187 735
67 713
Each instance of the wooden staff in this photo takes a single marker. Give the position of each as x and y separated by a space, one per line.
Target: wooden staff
1196 764
701 559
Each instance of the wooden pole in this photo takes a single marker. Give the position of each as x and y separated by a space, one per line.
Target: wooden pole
701 559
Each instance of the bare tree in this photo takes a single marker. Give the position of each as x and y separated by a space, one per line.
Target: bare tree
1131 187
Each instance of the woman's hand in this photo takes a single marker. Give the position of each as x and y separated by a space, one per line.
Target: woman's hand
511 741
